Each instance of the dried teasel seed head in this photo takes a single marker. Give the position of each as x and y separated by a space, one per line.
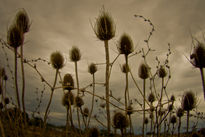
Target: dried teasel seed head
85 112
94 132
198 56
151 116
68 99
104 26
79 101
180 112
162 72
125 68
92 68
120 121
151 97
173 119
172 98
188 101
6 101
129 110
125 45
75 54
68 82
146 121
57 60
15 37
22 21
143 71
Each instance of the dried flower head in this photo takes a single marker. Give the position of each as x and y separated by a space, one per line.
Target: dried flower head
151 116
57 60
85 112
68 82
188 101
129 110
125 45
125 68
75 54
68 99
198 56
15 36
151 97
92 68
79 101
120 121
22 21
170 107
104 26
94 132
162 72
143 71
180 112
173 119
6 101
172 98
146 121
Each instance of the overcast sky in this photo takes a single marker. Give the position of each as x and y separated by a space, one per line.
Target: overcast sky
57 25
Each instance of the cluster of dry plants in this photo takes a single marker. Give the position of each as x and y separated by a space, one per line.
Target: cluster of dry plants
157 108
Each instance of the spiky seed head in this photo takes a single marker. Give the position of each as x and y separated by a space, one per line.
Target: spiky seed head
151 97
75 54
1 106
173 119
104 26
94 132
79 101
146 121
15 37
120 121
151 115
188 101
170 107
125 68
57 60
125 45
129 110
162 72
85 112
172 98
180 112
143 71
68 82
6 101
92 68
22 20
198 56
68 99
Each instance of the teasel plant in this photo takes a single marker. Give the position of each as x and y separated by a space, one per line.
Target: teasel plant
75 56
125 47
179 113
120 121
188 104
104 29
57 62
173 121
151 99
143 73
92 69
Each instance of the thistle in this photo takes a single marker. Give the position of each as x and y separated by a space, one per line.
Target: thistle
120 122
143 71
57 60
22 21
125 45
68 83
92 68
151 98
125 68
79 101
75 54
162 72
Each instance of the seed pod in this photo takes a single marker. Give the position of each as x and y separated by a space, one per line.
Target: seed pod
151 115
79 101
15 36
120 121
129 110
146 121
85 112
68 82
57 60
172 98
125 44
143 71
22 21
75 54
68 99
92 68
151 97
162 72
173 119
188 101
180 112
104 26
125 68
94 132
